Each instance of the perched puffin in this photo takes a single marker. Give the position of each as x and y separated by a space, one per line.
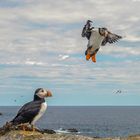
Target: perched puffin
99 37
32 111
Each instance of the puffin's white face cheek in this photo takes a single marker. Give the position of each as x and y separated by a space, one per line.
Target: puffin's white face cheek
42 93
102 32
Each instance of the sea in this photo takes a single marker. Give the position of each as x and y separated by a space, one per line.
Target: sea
95 121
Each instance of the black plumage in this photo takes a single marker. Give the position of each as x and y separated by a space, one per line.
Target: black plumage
111 38
28 112
86 32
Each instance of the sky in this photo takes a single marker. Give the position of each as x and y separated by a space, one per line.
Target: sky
41 46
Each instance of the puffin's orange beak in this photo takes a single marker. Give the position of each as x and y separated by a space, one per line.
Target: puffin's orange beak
49 93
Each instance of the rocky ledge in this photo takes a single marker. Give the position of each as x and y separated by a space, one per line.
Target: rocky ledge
10 132
29 135
15 133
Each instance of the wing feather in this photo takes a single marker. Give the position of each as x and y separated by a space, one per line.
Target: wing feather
111 38
27 112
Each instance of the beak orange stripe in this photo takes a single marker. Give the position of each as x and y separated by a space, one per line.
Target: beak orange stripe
49 93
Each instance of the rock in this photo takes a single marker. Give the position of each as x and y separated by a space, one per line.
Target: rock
9 127
48 131
72 130
9 132
28 135
1 114
21 135
134 137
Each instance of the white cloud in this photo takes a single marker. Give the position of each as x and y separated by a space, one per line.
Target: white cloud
136 0
40 33
121 51
132 38
30 62
63 57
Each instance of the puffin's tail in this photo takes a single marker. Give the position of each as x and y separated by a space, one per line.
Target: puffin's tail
6 128
8 125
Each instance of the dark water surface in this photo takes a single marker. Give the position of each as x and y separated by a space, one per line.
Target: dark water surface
91 121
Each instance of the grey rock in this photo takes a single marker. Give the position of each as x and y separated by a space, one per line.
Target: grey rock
72 130
48 131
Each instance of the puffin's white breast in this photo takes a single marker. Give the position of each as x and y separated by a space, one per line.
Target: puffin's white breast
41 112
95 39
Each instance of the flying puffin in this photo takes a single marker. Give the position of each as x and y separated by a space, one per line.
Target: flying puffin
98 37
32 111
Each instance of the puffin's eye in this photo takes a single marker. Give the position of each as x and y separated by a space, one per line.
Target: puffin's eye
41 90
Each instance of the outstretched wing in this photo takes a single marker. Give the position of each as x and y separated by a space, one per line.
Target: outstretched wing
111 38
27 113
86 32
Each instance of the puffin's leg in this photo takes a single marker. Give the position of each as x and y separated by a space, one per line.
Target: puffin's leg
33 128
94 58
87 53
24 129
22 126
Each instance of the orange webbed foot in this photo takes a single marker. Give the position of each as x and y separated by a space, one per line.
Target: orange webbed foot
94 58
87 56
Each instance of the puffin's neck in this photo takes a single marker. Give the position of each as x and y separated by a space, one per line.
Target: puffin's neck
36 98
